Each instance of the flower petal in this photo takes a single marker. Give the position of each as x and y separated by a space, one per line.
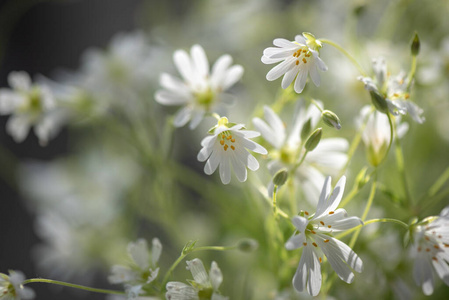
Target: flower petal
200 62
182 116
301 80
280 69
295 241
225 170
198 271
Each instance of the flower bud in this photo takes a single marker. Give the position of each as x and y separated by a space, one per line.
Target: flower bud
331 119
306 128
415 45
313 139
248 245
280 177
379 102
362 178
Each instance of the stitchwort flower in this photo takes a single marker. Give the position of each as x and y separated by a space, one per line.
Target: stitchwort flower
29 105
199 91
315 237
11 287
228 146
203 286
430 249
298 58
394 90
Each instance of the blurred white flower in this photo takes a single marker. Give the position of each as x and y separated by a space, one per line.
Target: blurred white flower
431 250
228 146
11 287
143 270
376 135
315 237
199 91
328 157
298 59
394 89
203 285
29 105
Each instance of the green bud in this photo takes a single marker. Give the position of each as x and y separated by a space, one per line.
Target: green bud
415 45
331 119
306 128
313 139
280 177
362 178
248 245
188 247
379 102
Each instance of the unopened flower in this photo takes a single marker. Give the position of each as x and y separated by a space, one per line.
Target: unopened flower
199 91
228 146
297 58
29 105
328 157
392 89
11 287
203 286
144 269
431 250
315 237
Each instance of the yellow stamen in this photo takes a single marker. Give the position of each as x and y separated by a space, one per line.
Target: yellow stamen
312 231
297 62
305 244
331 212
232 147
322 223
225 147
315 245
233 140
304 60
306 213
321 260
222 142
328 226
326 241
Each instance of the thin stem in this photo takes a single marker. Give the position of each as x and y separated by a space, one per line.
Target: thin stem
412 72
367 208
275 211
439 183
172 268
401 169
382 220
298 164
342 50
75 286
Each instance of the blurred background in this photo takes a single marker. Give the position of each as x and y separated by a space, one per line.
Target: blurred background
52 38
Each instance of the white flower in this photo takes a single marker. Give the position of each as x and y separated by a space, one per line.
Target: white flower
329 156
29 105
198 91
376 135
11 287
394 89
228 146
315 236
203 285
144 269
431 250
299 58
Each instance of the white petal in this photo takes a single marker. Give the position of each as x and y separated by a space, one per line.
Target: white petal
198 271
121 274
314 280
18 127
139 253
219 70
267 60
253 146
295 242
216 277
174 84
280 69
325 193
300 223
19 80
9 101
267 133
339 249
169 98
225 171
156 251
239 168
200 61
196 118
315 75
182 116
232 75
300 39
342 269
276 123
213 162
284 43
337 194
300 278
288 78
422 273
184 65
301 80
441 268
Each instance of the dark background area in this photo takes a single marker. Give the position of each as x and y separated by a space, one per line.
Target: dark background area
41 37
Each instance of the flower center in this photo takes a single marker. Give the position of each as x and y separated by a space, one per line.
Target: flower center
227 140
302 55
33 104
205 98
288 155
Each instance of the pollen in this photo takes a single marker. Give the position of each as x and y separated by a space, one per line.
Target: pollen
222 142
328 226
419 249
233 140
331 212
297 62
225 147
446 245
306 213
326 241
312 231
305 244
232 147
427 249
229 137
223 136
322 223
304 60
434 258
315 244
427 238
321 260
406 96
436 247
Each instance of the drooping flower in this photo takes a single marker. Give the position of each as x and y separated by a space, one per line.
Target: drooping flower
298 59
11 287
376 135
315 237
199 91
29 105
144 269
392 89
228 146
203 286
328 157
430 249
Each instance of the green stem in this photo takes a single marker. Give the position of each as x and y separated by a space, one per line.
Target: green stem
298 164
439 183
382 220
367 208
401 169
275 211
342 50
412 72
75 286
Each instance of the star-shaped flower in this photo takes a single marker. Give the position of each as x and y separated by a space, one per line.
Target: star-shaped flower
228 146
315 237
199 91
431 250
298 59
11 287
